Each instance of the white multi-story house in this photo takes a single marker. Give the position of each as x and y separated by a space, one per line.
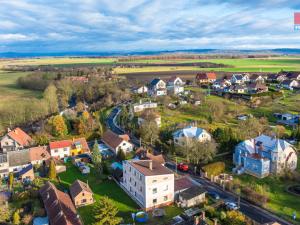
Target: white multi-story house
175 85
60 149
264 155
184 136
148 182
139 107
117 142
157 87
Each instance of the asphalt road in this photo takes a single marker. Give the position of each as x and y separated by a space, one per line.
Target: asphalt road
254 212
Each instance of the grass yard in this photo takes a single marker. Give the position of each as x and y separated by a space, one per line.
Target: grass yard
281 202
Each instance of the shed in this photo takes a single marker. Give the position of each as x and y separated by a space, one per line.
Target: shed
192 196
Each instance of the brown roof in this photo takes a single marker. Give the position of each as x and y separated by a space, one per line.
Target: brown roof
112 139
182 184
144 167
20 136
206 76
83 143
77 187
39 153
59 206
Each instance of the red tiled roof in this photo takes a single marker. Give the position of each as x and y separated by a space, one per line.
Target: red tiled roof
39 153
182 183
20 136
59 206
114 140
60 144
206 76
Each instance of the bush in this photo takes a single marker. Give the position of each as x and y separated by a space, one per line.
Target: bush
214 169
211 212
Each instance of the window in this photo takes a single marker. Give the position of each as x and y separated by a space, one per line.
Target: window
129 169
140 177
56 150
130 179
83 201
82 194
154 201
65 149
141 189
166 188
134 173
154 190
165 198
154 181
135 184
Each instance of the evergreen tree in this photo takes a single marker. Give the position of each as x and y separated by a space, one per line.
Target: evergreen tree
50 97
52 170
10 180
121 155
106 212
97 158
16 217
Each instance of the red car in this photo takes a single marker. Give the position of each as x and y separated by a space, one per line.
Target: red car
183 167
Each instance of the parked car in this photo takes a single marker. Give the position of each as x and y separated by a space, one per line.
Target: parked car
214 195
183 167
231 206
170 165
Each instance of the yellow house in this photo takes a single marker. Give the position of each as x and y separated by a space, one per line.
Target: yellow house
79 146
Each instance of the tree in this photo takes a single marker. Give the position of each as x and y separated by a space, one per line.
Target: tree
96 157
80 107
280 131
251 127
10 180
149 132
50 97
106 212
16 217
52 170
121 155
59 127
5 213
234 218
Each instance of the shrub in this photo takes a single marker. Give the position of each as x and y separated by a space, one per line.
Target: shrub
214 169
211 212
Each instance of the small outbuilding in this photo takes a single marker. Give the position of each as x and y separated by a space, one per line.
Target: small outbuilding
192 196
81 194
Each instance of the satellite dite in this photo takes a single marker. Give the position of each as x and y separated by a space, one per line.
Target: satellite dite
297 20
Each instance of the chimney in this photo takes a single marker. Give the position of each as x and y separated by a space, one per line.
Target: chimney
150 165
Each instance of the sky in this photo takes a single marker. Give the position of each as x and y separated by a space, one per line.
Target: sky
140 25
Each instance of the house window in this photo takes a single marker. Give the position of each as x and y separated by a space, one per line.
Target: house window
130 179
166 188
135 184
154 190
82 194
83 200
140 177
141 189
65 149
56 150
154 201
165 198
129 169
134 173
154 181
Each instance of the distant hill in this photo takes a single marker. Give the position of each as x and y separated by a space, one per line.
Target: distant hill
283 51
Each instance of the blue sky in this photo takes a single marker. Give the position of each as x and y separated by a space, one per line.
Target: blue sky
131 25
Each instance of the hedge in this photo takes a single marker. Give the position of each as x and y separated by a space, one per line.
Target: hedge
214 169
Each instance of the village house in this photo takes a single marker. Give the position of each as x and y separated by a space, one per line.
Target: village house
181 184
290 84
139 107
293 76
236 88
264 155
60 149
117 142
25 174
254 88
157 87
81 194
257 78
276 77
239 78
192 196
38 155
140 90
79 146
59 206
206 78
221 83
149 183
175 85
15 140
150 116
4 166
17 160
186 135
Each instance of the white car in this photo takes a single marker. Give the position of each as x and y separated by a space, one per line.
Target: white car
231 206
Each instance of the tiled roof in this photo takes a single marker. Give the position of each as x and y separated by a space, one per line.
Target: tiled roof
83 143
39 153
192 192
60 144
59 206
206 76
77 187
182 184
158 158
20 136
112 139
144 167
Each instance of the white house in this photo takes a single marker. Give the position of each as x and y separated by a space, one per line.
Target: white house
290 84
184 136
60 149
4 167
140 90
175 85
157 87
239 78
139 107
18 160
148 182
39 154
117 142
256 78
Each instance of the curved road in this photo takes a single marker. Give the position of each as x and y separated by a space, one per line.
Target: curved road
256 213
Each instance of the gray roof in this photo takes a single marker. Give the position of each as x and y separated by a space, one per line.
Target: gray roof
192 192
18 158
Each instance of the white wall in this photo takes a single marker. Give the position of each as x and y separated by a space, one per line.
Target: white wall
60 152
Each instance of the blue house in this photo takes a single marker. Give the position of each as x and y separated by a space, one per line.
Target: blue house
264 155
